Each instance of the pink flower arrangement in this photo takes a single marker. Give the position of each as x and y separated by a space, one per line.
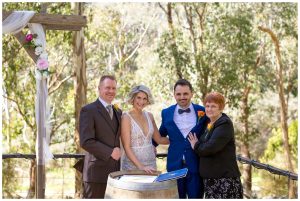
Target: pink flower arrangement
42 64
32 41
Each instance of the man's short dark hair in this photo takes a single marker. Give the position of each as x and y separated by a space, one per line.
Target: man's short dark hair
103 77
183 82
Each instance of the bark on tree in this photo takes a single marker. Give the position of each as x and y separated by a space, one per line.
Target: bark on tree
80 85
174 48
247 169
283 107
31 190
196 35
122 50
245 150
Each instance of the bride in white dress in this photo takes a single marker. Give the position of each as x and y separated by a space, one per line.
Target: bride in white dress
138 128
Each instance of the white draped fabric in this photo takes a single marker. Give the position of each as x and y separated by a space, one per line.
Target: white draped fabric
16 21
13 24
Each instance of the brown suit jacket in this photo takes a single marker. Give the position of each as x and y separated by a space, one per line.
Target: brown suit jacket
98 138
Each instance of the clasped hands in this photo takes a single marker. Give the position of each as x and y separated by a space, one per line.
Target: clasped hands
116 154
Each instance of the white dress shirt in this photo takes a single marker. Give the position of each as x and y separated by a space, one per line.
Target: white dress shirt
104 103
185 121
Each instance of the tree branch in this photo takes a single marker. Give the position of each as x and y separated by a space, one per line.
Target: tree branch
60 83
20 111
139 43
163 8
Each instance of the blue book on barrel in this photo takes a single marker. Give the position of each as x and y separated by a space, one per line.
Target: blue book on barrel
171 175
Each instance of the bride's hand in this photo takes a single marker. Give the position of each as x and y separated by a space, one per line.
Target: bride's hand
147 169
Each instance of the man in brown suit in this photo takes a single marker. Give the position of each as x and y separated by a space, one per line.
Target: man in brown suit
99 135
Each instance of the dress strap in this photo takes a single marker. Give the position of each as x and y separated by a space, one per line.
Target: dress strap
148 118
127 113
133 122
150 124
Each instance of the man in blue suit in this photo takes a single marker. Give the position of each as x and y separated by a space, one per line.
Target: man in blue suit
177 122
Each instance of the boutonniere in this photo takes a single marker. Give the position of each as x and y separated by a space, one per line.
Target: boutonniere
116 107
200 114
209 126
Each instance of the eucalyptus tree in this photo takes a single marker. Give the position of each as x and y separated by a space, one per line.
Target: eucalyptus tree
219 47
117 32
282 29
241 60
197 55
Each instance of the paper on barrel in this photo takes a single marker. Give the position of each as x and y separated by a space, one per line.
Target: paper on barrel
138 178
150 179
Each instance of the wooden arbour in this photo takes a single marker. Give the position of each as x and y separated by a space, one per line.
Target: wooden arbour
49 22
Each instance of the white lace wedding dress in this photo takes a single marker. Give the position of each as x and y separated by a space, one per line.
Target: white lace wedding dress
141 145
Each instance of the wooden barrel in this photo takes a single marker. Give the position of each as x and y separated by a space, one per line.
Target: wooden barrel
117 189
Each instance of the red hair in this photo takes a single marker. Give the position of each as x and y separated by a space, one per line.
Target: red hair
215 97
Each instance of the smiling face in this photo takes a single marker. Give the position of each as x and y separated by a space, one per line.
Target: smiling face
213 110
183 95
140 101
214 103
107 90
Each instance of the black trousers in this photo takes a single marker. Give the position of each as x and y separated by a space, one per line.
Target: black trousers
93 190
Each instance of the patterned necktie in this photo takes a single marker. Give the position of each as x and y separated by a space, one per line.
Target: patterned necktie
180 111
110 111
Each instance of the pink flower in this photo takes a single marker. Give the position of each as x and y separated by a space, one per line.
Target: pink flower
42 64
29 37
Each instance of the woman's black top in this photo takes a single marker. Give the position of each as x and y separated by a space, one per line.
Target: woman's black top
216 149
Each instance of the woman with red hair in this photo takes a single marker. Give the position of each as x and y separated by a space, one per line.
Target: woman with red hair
216 149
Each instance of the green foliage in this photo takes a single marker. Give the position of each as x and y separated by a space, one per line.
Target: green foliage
9 185
266 182
275 143
34 6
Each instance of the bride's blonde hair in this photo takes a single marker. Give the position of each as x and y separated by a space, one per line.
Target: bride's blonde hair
140 88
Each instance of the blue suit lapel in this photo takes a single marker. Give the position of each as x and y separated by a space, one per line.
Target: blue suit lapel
196 112
200 120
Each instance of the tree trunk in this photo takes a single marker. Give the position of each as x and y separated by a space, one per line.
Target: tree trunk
283 108
247 169
174 47
80 85
31 190
198 43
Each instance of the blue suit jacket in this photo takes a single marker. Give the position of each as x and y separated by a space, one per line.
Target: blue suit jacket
179 145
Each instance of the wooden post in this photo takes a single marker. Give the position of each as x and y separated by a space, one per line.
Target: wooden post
80 85
41 133
41 129
56 22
